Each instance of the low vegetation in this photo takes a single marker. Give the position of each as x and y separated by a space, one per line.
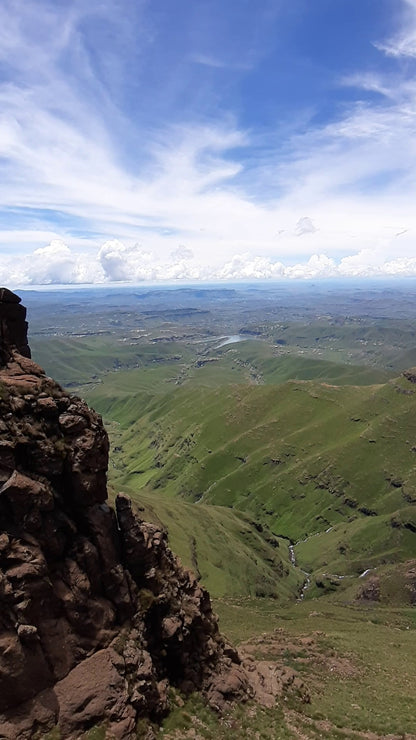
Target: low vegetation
283 466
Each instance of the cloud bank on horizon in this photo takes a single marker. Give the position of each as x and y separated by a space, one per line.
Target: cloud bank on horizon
173 141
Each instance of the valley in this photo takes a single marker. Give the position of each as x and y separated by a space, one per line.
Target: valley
272 431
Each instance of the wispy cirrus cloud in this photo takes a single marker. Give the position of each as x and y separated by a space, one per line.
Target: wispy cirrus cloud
83 142
218 63
403 42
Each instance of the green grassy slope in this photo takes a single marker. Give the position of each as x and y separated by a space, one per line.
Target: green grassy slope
358 663
233 555
276 363
78 360
302 457
223 426
74 361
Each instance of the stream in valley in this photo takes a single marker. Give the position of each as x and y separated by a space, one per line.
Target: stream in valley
307 581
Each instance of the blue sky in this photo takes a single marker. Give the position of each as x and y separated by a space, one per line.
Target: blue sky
180 139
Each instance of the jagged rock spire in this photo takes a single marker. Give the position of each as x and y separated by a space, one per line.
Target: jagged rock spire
13 326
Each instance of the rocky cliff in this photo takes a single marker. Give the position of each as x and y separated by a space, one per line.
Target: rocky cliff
98 619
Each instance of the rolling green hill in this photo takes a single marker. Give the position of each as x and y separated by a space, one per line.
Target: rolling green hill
75 361
320 452
302 457
80 360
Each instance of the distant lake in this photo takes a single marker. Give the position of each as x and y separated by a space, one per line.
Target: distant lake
233 339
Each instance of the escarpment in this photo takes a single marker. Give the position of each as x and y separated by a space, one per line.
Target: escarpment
97 616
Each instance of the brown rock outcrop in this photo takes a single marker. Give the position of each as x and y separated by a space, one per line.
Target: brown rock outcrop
13 325
97 616
410 375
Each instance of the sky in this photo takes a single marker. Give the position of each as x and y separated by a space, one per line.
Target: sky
146 140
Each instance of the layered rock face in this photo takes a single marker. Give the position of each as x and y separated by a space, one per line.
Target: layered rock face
97 617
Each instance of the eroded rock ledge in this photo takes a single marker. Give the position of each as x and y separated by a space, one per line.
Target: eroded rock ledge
97 616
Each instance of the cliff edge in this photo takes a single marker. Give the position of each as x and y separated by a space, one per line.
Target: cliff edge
98 619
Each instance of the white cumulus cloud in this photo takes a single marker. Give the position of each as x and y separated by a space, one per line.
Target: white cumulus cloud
57 263
54 263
